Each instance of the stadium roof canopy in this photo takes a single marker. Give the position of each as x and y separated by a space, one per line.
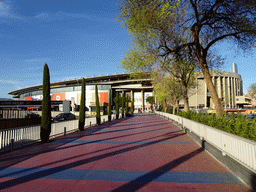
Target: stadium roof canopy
119 82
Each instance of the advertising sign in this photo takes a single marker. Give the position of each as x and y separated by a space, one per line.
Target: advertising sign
54 97
137 100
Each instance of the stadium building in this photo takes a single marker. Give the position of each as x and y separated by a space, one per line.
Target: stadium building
229 86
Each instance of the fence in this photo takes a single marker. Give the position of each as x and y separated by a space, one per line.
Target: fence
19 137
240 149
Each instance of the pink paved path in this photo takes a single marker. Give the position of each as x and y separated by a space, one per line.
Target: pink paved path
141 153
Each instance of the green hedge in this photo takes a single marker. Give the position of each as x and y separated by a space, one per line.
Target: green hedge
240 126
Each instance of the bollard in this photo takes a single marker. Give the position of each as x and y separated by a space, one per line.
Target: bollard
65 131
90 123
11 145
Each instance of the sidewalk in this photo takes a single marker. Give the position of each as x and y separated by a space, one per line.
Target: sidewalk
142 153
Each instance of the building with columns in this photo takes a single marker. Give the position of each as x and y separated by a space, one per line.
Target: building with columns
228 84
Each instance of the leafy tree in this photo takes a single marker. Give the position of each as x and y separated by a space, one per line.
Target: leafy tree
252 89
166 29
46 107
127 100
97 106
109 105
82 107
117 100
167 90
151 101
123 104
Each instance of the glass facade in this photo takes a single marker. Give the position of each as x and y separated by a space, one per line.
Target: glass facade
100 87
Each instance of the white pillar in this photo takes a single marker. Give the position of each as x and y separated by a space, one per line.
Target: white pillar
232 92
229 93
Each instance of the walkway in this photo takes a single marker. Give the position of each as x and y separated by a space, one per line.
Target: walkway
142 153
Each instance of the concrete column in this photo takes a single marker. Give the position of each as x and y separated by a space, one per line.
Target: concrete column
229 93
142 102
224 91
235 91
219 86
232 92
132 96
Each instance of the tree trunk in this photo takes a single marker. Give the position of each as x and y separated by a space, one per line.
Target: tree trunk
208 80
165 107
177 106
186 106
173 109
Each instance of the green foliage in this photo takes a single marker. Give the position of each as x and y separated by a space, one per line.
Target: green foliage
169 110
123 104
238 126
98 119
166 32
252 89
127 100
151 100
82 107
46 107
160 108
117 101
109 105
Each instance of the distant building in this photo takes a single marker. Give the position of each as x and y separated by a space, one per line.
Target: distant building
234 68
228 85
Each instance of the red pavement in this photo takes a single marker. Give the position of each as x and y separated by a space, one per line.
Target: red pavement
141 153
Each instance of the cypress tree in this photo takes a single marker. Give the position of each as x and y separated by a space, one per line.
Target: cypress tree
132 105
82 107
46 107
116 100
97 105
109 105
123 101
126 105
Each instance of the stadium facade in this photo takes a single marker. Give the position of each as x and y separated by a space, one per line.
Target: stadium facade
228 85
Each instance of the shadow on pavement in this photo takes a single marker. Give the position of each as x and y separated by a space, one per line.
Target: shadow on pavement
136 184
43 173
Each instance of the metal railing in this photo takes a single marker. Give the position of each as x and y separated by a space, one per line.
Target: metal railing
240 149
21 136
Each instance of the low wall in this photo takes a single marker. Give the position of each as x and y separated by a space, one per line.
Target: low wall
24 135
12 123
237 153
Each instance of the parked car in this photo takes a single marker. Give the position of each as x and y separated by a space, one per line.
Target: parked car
251 117
63 116
32 115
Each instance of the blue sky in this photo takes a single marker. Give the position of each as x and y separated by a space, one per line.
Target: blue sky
76 39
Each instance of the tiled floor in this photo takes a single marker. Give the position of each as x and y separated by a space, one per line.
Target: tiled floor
141 153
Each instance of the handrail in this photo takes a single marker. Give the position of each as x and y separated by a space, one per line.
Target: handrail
21 136
240 149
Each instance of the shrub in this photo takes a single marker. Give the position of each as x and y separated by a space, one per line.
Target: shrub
239 126
109 105
82 107
97 106
46 107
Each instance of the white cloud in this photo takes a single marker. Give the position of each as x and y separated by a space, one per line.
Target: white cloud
4 8
7 11
13 82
